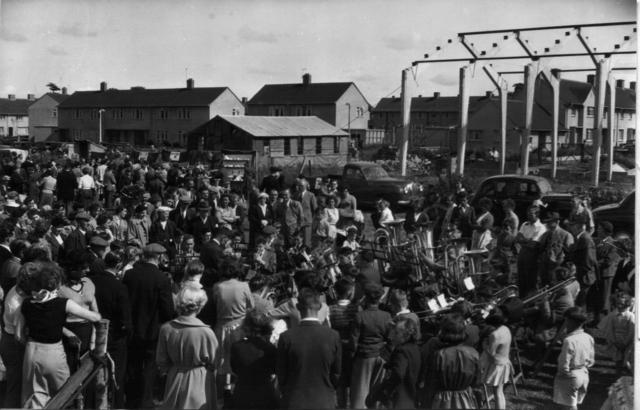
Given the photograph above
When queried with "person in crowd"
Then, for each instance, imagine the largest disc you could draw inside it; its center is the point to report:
(164, 231)
(45, 367)
(77, 239)
(386, 215)
(66, 188)
(11, 267)
(453, 369)
(113, 304)
(576, 357)
(618, 329)
(309, 208)
(260, 216)
(508, 207)
(183, 214)
(482, 237)
(86, 187)
(528, 238)
(369, 334)
(192, 275)
(226, 215)
(308, 359)
(186, 353)
(554, 246)
(253, 361)
(464, 214)
(48, 187)
(583, 255)
(151, 305)
(580, 211)
(139, 225)
(403, 368)
(203, 222)
(495, 363)
(329, 217)
(290, 215)
(273, 181)
(399, 307)
(608, 255)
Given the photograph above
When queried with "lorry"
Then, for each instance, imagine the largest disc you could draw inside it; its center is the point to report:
(369, 182)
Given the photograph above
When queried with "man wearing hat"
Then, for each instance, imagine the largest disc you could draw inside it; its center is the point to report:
(289, 214)
(164, 231)
(555, 244)
(260, 216)
(97, 249)
(309, 207)
(275, 180)
(77, 239)
(139, 225)
(204, 221)
(151, 305)
(583, 255)
(183, 214)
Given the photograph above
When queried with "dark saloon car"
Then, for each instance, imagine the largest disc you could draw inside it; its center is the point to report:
(620, 214)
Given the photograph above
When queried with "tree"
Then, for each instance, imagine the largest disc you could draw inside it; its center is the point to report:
(53, 87)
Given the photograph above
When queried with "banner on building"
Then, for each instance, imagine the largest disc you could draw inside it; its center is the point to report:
(174, 156)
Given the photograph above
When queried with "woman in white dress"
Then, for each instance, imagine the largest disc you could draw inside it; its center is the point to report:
(495, 364)
(329, 217)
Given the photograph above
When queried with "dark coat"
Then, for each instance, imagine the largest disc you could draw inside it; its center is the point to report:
(75, 241)
(151, 302)
(5, 255)
(165, 237)
(211, 256)
(113, 304)
(400, 385)
(256, 215)
(198, 228)
(253, 360)
(66, 185)
(583, 255)
(270, 182)
(56, 248)
(182, 222)
(308, 366)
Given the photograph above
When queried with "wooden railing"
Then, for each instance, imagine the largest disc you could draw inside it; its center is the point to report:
(92, 366)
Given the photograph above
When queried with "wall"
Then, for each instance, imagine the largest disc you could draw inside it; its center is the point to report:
(19, 124)
(43, 118)
(357, 101)
(225, 104)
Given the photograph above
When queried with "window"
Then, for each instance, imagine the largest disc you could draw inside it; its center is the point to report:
(235, 111)
(164, 113)
(590, 112)
(359, 112)
(353, 173)
(589, 137)
(54, 113)
(573, 113)
(308, 112)
(93, 114)
(620, 135)
(300, 111)
(300, 146)
(117, 113)
(181, 136)
(287, 146)
(184, 113)
(266, 147)
(276, 111)
(158, 137)
(318, 145)
(336, 145)
(76, 113)
(2, 131)
(137, 114)
(631, 134)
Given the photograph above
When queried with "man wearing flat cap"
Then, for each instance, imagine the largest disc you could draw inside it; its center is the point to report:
(203, 222)
(164, 231)
(97, 249)
(77, 239)
(275, 180)
(151, 305)
(260, 216)
(554, 246)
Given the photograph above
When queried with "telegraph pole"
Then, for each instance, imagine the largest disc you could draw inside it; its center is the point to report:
(406, 115)
(463, 120)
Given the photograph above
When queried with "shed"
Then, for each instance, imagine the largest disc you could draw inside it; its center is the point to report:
(287, 142)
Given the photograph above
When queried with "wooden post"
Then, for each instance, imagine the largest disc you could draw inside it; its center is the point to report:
(406, 121)
(102, 378)
(464, 118)
(612, 125)
(600, 87)
(504, 93)
(553, 77)
(530, 74)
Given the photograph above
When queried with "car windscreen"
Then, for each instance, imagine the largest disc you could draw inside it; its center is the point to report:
(374, 172)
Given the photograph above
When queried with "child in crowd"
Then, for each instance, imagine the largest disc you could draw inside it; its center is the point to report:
(618, 329)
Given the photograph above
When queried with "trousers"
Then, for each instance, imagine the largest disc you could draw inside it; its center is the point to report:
(44, 371)
(12, 353)
(361, 379)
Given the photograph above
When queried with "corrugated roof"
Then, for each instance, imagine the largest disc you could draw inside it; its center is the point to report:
(160, 97)
(427, 104)
(299, 93)
(274, 127)
(14, 107)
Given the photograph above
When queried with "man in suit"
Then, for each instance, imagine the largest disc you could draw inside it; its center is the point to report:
(54, 237)
(7, 229)
(77, 239)
(66, 186)
(309, 359)
(309, 206)
(164, 231)
(112, 298)
(260, 216)
(211, 256)
(151, 306)
(583, 255)
(554, 247)
(203, 222)
(139, 225)
(289, 214)
(275, 180)
(609, 256)
(182, 215)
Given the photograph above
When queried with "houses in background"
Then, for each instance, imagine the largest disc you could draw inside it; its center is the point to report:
(14, 117)
(141, 116)
(340, 104)
(43, 116)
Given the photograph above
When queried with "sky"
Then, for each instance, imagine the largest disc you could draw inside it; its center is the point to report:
(244, 44)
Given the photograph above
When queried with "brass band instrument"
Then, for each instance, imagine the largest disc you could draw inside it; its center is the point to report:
(548, 290)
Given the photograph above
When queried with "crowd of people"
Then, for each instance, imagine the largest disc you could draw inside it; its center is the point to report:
(265, 295)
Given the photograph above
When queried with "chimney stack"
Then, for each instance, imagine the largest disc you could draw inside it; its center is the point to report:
(31, 97)
(619, 83)
(190, 84)
(103, 86)
(244, 101)
(632, 85)
(488, 94)
(436, 95)
(12, 97)
(517, 87)
(64, 90)
(591, 79)
(306, 79)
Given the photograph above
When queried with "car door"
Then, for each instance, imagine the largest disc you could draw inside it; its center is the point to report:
(358, 186)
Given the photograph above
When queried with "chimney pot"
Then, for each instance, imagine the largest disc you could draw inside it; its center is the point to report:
(103, 86)
(244, 101)
(488, 93)
(436, 94)
(64, 90)
(12, 97)
(591, 79)
(632, 85)
(306, 79)
(619, 83)
(31, 97)
(190, 83)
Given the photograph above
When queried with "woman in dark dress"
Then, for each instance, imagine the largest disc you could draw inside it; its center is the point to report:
(453, 368)
(253, 360)
(399, 387)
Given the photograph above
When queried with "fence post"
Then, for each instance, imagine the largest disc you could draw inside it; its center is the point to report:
(102, 378)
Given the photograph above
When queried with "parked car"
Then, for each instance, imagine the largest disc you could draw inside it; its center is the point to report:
(368, 182)
(559, 202)
(522, 189)
(620, 214)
